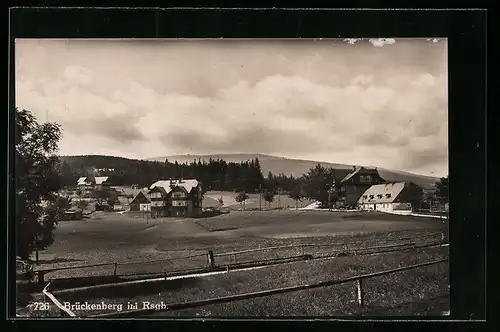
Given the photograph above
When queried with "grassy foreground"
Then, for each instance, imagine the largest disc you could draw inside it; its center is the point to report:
(398, 293)
(168, 261)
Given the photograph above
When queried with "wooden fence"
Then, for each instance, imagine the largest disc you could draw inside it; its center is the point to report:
(211, 256)
(360, 291)
(346, 246)
(115, 265)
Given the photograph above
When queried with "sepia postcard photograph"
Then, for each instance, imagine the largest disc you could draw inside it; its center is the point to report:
(231, 178)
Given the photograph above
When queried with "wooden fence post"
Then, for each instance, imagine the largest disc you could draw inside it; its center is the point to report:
(211, 261)
(116, 265)
(442, 236)
(41, 276)
(359, 284)
(234, 258)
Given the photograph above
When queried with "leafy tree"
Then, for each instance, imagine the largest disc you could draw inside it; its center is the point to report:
(268, 196)
(37, 181)
(80, 192)
(111, 202)
(104, 194)
(296, 194)
(318, 182)
(82, 205)
(241, 198)
(67, 174)
(442, 189)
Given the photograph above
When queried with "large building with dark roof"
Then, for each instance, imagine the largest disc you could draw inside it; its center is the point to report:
(352, 186)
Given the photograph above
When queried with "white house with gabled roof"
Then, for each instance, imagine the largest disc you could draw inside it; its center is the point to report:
(177, 198)
(400, 197)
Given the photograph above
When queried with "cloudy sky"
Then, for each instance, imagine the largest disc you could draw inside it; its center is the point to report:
(377, 102)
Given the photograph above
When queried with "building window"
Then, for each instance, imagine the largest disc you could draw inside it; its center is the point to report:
(365, 178)
(379, 196)
(365, 196)
(388, 195)
(178, 195)
(155, 195)
(372, 197)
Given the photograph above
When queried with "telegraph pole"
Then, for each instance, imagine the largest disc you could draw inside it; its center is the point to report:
(279, 198)
(260, 197)
(330, 199)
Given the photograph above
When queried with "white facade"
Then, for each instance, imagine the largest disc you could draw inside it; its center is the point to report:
(157, 203)
(144, 207)
(386, 207)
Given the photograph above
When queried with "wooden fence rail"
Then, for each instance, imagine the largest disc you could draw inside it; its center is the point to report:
(305, 245)
(42, 272)
(63, 310)
(194, 304)
(210, 257)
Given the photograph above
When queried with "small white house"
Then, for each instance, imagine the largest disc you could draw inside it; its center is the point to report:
(390, 197)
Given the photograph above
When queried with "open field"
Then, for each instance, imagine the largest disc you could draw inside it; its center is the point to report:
(106, 237)
(115, 237)
(399, 292)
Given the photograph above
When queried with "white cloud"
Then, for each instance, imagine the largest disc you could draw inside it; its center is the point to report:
(379, 42)
(425, 80)
(362, 79)
(341, 109)
(78, 75)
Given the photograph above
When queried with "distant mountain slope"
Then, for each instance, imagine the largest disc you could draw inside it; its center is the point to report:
(98, 161)
(268, 163)
(298, 167)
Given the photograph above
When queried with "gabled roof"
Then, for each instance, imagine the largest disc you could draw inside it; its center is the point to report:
(350, 175)
(392, 188)
(357, 170)
(100, 179)
(158, 188)
(81, 180)
(188, 184)
(140, 195)
(96, 180)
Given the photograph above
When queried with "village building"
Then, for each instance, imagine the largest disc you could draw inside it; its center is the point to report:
(140, 203)
(91, 181)
(176, 198)
(391, 197)
(354, 184)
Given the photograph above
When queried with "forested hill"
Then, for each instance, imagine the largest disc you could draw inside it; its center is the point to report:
(222, 170)
(98, 161)
(298, 167)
